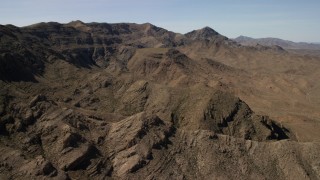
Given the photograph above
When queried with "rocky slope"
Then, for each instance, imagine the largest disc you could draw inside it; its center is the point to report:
(130, 101)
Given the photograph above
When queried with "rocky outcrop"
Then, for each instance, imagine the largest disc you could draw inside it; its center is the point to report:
(229, 115)
(131, 141)
(135, 98)
(39, 167)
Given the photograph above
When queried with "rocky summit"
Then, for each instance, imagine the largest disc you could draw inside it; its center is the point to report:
(136, 101)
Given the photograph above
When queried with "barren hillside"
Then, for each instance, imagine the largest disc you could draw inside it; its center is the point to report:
(132, 101)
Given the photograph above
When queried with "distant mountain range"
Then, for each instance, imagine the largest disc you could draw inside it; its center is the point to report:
(248, 41)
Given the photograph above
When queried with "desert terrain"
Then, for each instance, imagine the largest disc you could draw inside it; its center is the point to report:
(136, 101)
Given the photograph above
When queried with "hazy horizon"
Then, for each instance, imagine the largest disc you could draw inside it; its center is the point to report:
(289, 20)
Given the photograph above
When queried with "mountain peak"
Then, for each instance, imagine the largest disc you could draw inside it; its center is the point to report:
(202, 34)
(79, 25)
(243, 38)
(76, 23)
(208, 29)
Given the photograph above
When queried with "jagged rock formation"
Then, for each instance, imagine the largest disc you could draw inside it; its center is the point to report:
(129, 101)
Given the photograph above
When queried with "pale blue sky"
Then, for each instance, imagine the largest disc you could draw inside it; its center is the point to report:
(296, 20)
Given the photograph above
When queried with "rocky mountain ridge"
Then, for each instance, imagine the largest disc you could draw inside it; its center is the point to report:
(131, 101)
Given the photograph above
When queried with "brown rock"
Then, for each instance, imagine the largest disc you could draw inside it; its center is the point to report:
(36, 99)
(39, 166)
(77, 158)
